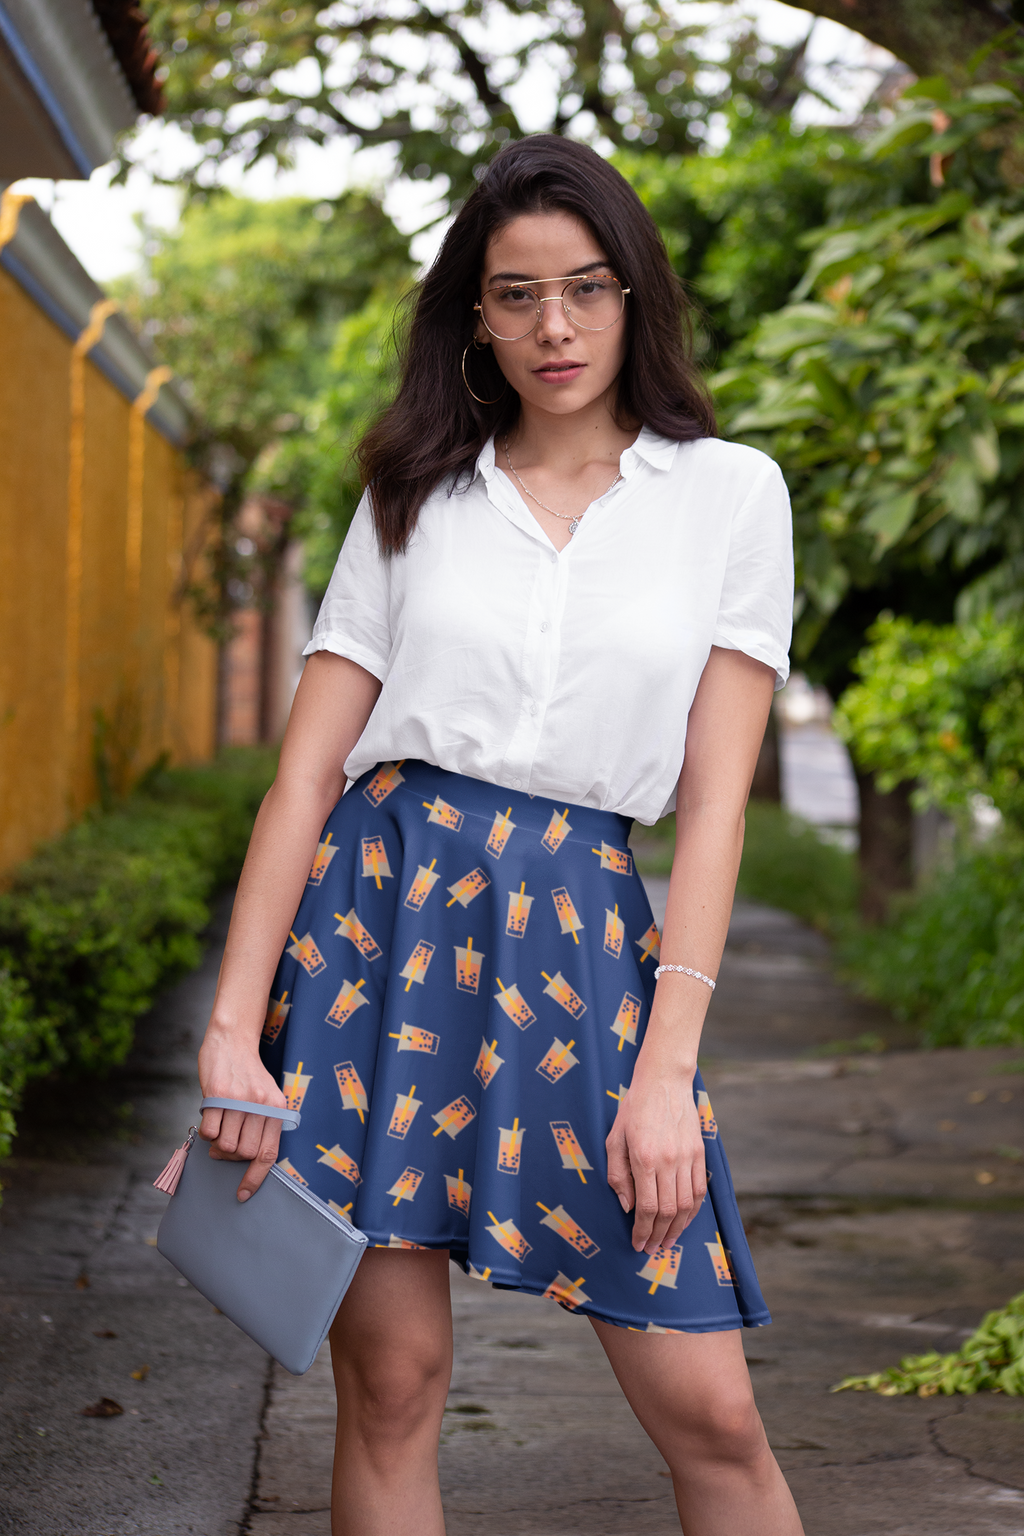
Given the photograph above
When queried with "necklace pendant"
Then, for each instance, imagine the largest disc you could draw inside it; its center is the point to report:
(573, 526)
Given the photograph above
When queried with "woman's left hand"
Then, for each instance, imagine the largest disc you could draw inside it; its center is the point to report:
(656, 1155)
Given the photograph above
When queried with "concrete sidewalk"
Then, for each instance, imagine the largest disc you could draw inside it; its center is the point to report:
(883, 1198)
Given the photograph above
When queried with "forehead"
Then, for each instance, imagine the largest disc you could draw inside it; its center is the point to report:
(541, 245)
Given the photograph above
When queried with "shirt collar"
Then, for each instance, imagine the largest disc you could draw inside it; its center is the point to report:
(657, 451)
(485, 461)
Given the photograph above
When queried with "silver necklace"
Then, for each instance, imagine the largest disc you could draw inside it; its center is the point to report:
(567, 517)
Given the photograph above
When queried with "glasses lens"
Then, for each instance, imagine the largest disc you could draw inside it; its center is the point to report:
(509, 313)
(595, 303)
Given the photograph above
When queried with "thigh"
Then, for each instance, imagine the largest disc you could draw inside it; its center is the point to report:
(397, 1309)
(682, 1386)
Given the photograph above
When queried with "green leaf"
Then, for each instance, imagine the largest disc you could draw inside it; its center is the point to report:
(961, 491)
(929, 88)
(890, 518)
(830, 392)
(907, 128)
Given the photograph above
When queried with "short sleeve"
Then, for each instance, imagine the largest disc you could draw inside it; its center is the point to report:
(354, 617)
(755, 612)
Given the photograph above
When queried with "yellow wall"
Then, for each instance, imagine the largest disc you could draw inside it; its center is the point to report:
(141, 658)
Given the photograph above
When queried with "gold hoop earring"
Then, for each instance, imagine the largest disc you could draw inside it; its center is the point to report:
(474, 343)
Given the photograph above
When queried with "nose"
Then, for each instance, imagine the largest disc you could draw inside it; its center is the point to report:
(554, 325)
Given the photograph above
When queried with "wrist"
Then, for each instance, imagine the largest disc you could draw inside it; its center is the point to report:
(228, 1030)
(665, 1054)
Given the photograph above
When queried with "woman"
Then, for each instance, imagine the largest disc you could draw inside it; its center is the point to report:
(557, 580)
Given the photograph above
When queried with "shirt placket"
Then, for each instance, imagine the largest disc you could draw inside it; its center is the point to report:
(539, 665)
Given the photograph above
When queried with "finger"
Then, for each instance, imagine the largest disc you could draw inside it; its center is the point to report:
(619, 1176)
(684, 1215)
(230, 1130)
(700, 1185)
(668, 1208)
(250, 1137)
(646, 1206)
(209, 1125)
(264, 1160)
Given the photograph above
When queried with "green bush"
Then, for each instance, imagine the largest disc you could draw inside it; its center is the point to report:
(944, 705)
(785, 864)
(951, 957)
(991, 1360)
(102, 918)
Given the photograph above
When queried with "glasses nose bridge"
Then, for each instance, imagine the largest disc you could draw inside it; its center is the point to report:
(551, 298)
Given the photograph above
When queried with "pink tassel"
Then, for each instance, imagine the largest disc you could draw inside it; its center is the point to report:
(168, 1180)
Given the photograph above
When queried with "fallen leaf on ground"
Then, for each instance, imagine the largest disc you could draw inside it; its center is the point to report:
(82, 1283)
(984, 1177)
(141, 1373)
(106, 1408)
(104, 1333)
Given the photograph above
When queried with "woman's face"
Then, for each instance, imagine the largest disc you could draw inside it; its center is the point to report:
(559, 366)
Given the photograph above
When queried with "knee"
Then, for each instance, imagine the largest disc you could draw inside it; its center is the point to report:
(729, 1431)
(397, 1393)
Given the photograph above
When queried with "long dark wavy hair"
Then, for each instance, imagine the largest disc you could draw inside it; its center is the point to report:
(434, 429)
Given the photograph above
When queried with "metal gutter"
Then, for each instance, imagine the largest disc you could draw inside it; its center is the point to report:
(39, 261)
(65, 56)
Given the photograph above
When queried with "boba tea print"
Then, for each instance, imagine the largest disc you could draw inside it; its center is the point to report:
(457, 1014)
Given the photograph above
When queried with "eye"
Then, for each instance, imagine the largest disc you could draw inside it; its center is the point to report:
(591, 287)
(513, 298)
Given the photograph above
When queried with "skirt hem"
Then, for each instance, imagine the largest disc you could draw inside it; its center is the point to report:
(508, 1282)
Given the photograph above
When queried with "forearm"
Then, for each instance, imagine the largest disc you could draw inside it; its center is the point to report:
(276, 869)
(725, 728)
(333, 703)
(709, 841)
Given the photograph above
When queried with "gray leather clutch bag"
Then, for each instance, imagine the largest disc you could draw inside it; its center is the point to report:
(278, 1264)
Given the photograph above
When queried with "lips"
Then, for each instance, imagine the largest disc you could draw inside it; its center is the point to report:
(565, 368)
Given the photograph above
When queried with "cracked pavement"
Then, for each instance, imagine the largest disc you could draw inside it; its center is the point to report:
(882, 1194)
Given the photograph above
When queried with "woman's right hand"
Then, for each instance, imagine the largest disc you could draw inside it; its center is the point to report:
(230, 1071)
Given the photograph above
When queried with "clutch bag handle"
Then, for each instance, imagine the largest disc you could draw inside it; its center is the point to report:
(290, 1117)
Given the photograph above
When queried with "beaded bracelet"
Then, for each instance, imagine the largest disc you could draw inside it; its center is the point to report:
(685, 969)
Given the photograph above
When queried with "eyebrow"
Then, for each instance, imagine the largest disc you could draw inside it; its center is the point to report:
(525, 277)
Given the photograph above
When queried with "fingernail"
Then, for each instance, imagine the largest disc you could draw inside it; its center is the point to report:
(243, 1195)
(624, 1202)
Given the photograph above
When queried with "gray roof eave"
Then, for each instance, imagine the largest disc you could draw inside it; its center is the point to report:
(47, 270)
(63, 52)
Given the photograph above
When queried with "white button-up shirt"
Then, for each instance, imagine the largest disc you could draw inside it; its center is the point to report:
(566, 674)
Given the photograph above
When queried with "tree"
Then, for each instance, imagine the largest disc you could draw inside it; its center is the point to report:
(891, 392)
(243, 301)
(935, 37)
(248, 78)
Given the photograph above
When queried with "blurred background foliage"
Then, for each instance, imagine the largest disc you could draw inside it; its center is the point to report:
(244, 300)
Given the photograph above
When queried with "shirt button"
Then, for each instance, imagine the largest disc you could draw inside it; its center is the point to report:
(517, 783)
(545, 627)
(554, 559)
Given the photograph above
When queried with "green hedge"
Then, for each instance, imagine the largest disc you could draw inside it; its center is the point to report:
(950, 957)
(785, 864)
(101, 919)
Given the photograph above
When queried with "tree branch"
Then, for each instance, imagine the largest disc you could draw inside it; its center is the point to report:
(932, 36)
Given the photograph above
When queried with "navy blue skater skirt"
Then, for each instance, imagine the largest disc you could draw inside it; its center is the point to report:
(458, 1010)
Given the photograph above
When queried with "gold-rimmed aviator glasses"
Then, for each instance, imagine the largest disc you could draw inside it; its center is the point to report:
(594, 302)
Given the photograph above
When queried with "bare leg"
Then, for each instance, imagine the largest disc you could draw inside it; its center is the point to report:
(692, 1394)
(391, 1348)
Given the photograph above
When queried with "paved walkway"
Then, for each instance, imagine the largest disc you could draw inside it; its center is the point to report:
(883, 1200)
